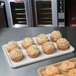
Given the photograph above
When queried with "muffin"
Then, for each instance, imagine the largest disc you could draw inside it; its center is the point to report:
(42, 38)
(11, 46)
(62, 44)
(59, 75)
(72, 72)
(27, 42)
(51, 70)
(16, 55)
(67, 65)
(55, 35)
(48, 47)
(33, 51)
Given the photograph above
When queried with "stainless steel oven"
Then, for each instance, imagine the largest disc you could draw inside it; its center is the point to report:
(49, 12)
(35, 13)
(20, 13)
(16, 14)
(46, 12)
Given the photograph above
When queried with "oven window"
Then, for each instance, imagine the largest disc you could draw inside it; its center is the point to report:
(18, 12)
(44, 12)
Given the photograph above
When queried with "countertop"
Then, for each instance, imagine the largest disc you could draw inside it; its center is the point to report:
(9, 34)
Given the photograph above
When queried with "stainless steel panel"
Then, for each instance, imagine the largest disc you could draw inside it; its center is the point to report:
(54, 13)
(29, 12)
(60, 15)
(8, 13)
(61, 24)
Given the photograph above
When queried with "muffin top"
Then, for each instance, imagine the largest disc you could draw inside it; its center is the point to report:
(42, 38)
(12, 43)
(28, 41)
(48, 46)
(33, 49)
(16, 53)
(62, 41)
(56, 35)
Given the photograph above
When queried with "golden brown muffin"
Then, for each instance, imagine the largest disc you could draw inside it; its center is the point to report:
(33, 51)
(55, 35)
(62, 44)
(27, 42)
(16, 55)
(48, 47)
(11, 45)
(72, 72)
(67, 65)
(42, 38)
(51, 70)
(59, 75)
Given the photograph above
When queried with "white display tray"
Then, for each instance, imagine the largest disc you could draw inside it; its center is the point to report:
(27, 60)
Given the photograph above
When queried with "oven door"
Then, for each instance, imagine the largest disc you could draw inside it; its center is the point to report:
(46, 12)
(16, 14)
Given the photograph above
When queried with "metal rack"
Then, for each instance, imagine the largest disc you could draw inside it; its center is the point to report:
(18, 13)
(44, 12)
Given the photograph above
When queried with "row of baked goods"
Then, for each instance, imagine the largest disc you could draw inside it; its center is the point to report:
(55, 36)
(32, 49)
(66, 66)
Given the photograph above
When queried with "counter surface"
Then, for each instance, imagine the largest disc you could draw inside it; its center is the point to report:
(7, 35)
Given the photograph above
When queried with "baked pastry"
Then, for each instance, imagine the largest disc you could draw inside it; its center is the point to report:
(51, 70)
(33, 51)
(67, 65)
(55, 35)
(59, 75)
(72, 72)
(62, 44)
(48, 47)
(16, 55)
(11, 45)
(27, 42)
(42, 38)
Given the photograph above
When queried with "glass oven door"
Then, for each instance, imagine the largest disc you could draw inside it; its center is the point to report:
(16, 13)
(46, 12)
